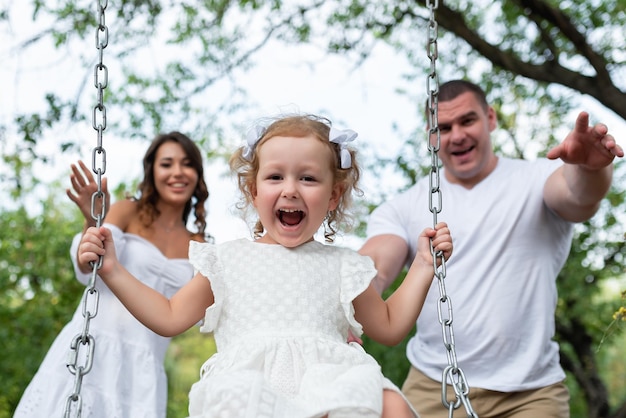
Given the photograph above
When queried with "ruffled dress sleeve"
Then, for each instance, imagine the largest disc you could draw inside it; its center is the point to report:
(204, 259)
(357, 272)
(119, 241)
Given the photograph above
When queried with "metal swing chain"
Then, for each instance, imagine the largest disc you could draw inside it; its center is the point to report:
(84, 340)
(452, 372)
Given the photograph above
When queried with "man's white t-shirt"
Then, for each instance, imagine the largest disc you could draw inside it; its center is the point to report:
(501, 279)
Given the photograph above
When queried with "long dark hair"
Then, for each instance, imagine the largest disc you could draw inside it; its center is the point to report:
(148, 195)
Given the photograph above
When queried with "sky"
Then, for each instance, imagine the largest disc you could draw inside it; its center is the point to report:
(363, 98)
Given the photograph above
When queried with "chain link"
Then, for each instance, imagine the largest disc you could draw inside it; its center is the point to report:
(452, 372)
(82, 347)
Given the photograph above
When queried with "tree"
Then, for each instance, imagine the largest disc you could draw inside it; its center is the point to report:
(536, 59)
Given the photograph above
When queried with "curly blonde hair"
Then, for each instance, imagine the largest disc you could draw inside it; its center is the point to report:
(300, 126)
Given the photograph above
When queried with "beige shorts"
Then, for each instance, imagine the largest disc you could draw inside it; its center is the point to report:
(549, 402)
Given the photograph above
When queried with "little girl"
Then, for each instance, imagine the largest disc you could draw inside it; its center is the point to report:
(281, 307)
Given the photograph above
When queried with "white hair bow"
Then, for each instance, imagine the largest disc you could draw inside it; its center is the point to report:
(342, 138)
(252, 137)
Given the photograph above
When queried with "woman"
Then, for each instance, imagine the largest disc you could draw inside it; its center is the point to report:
(127, 378)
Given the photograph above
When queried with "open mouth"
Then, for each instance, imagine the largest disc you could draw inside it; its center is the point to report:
(462, 152)
(290, 217)
(178, 186)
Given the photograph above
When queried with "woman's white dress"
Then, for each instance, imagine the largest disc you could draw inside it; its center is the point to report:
(127, 379)
(280, 320)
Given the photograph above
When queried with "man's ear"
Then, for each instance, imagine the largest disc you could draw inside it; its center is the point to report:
(492, 118)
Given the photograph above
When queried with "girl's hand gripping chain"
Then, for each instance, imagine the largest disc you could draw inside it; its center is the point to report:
(97, 242)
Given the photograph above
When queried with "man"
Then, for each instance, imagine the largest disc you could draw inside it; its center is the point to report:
(512, 225)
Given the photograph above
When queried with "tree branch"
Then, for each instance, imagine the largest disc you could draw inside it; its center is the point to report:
(599, 86)
(566, 27)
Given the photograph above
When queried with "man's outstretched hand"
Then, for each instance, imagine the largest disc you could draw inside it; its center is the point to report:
(589, 146)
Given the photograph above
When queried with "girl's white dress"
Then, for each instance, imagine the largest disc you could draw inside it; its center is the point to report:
(280, 320)
(127, 379)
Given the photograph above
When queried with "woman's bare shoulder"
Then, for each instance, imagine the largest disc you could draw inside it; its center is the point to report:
(122, 213)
